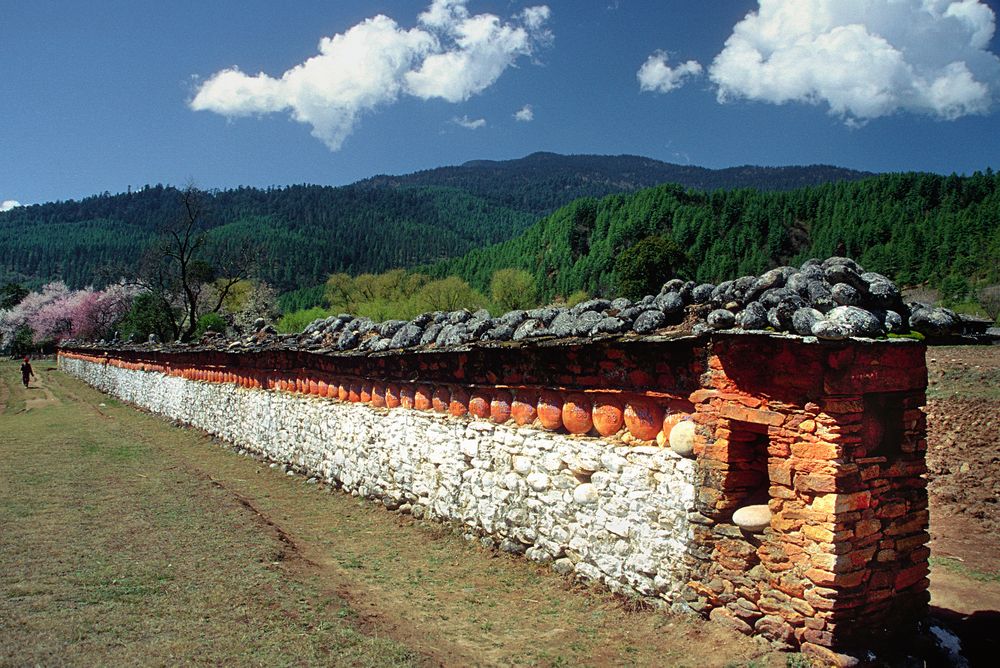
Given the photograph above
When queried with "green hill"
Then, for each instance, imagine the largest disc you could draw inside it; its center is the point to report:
(912, 227)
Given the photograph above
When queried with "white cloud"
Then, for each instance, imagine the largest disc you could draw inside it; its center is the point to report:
(525, 114)
(863, 58)
(655, 75)
(469, 123)
(9, 204)
(451, 55)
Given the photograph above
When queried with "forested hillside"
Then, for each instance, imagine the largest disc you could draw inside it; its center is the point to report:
(913, 227)
(307, 232)
(303, 232)
(542, 182)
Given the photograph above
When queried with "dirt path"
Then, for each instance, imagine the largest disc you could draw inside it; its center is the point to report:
(133, 540)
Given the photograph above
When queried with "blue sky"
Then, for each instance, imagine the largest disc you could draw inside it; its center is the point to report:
(102, 95)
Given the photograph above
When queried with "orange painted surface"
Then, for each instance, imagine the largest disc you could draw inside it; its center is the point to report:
(643, 418)
(500, 406)
(479, 404)
(550, 409)
(523, 407)
(608, 414)
(576, 414)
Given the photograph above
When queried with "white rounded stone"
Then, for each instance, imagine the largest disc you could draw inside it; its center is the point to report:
(522, 465)
(585, 494)
(538, 482)
(753, 518)
(682, 438)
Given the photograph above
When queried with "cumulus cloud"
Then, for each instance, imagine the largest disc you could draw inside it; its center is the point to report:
(451, 54)
(863, 58)
(469, 123)
(9, 204)
(656, 76)
(525, 114)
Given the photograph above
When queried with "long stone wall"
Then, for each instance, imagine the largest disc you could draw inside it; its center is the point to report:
(616, 516)
(774, 484)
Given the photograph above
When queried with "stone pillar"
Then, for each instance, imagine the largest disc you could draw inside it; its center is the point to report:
(831, 438)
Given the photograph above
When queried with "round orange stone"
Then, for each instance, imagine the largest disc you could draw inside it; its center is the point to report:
(479, 403)
(550, 409)
(576, 413)
(354, 393)
(392, 395)
(365, 391)
(523, 407)
(459, 404)
(644, 418)
(608, 414)
(422, 398)
(500, 406)
(441, 399)
(407, 396)
(378, 395)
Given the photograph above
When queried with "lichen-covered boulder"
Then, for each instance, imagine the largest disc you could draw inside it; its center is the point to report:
(856, 321)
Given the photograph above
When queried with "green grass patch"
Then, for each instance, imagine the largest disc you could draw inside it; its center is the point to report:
(959, 568)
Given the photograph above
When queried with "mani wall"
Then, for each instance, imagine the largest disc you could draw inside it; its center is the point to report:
(772, 483)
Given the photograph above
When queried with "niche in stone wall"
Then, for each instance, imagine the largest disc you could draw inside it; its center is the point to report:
(747, 481)
(882, 425)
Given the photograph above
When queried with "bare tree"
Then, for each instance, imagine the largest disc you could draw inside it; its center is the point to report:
(176, 271)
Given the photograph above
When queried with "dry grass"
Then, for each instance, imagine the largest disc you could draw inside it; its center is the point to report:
(127, 540)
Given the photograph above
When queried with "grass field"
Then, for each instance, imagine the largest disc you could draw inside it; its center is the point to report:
(126, 540)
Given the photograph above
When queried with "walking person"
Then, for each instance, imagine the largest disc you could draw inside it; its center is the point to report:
(26, 370)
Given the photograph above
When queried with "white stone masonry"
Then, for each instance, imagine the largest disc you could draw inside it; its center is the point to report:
(618, 515)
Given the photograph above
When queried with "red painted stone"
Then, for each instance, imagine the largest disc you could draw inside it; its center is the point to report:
(523, 407)
(365, 391)
(479, 403)
(608, 414)
(354, 393)
(344, 390)
(441, 399)
(333, 389)
(313, 387)
(406, 396)
(378, 395)
(550, 409)
(500, 406)
(422, 400)
(459, 404)
(392, 395)
(576, 413)
(644, 418)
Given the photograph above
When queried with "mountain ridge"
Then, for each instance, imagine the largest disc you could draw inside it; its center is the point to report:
(368, 226)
